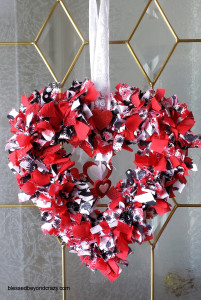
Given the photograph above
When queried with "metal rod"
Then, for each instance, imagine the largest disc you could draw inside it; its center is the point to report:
(46, 62)
(189, 40)
(47, 19)
(102, 205)
(174, 200)
(188, 205)
(72, 65)
(139, 63)
(165, 63)
(164, 225)
(140, 19)
(118, 42)
(63, 271)
(152, 273)
(71, 20)
(15, 43)
(166, 20)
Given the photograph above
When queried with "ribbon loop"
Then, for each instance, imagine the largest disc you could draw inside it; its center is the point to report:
(99, 46)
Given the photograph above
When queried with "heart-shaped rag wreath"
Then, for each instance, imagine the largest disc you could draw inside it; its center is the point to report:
(67, 198)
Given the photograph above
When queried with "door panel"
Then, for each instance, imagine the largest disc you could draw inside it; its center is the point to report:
(152, 44)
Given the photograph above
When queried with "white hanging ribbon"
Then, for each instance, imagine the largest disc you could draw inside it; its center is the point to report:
(99, 47)
(99, 56)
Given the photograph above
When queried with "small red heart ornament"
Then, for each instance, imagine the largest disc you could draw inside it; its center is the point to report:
(101, 118)
(90, 164)
(102, 187)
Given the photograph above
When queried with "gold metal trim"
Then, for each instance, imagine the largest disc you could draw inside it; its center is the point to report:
(47, 19)
(165, 63)
(17, 205)
(72, 65)
(15, 43)
(152, 83)
(63, 247)
(58, 239)
(139, 63)
(188, 205)
(174, 200)
(174, 46)
(166, 20)
(164, 226)
(102, 205)
(46, 62)
(72, 21)
(105, 205)
(139, 21)
(189, 40)
(118, 42)
(152, 273)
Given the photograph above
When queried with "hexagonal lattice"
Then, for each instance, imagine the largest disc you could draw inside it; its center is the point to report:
(152, 41)
(59, 42)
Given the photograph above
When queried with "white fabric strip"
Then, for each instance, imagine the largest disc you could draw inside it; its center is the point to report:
(93, 20)
(99, 45)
